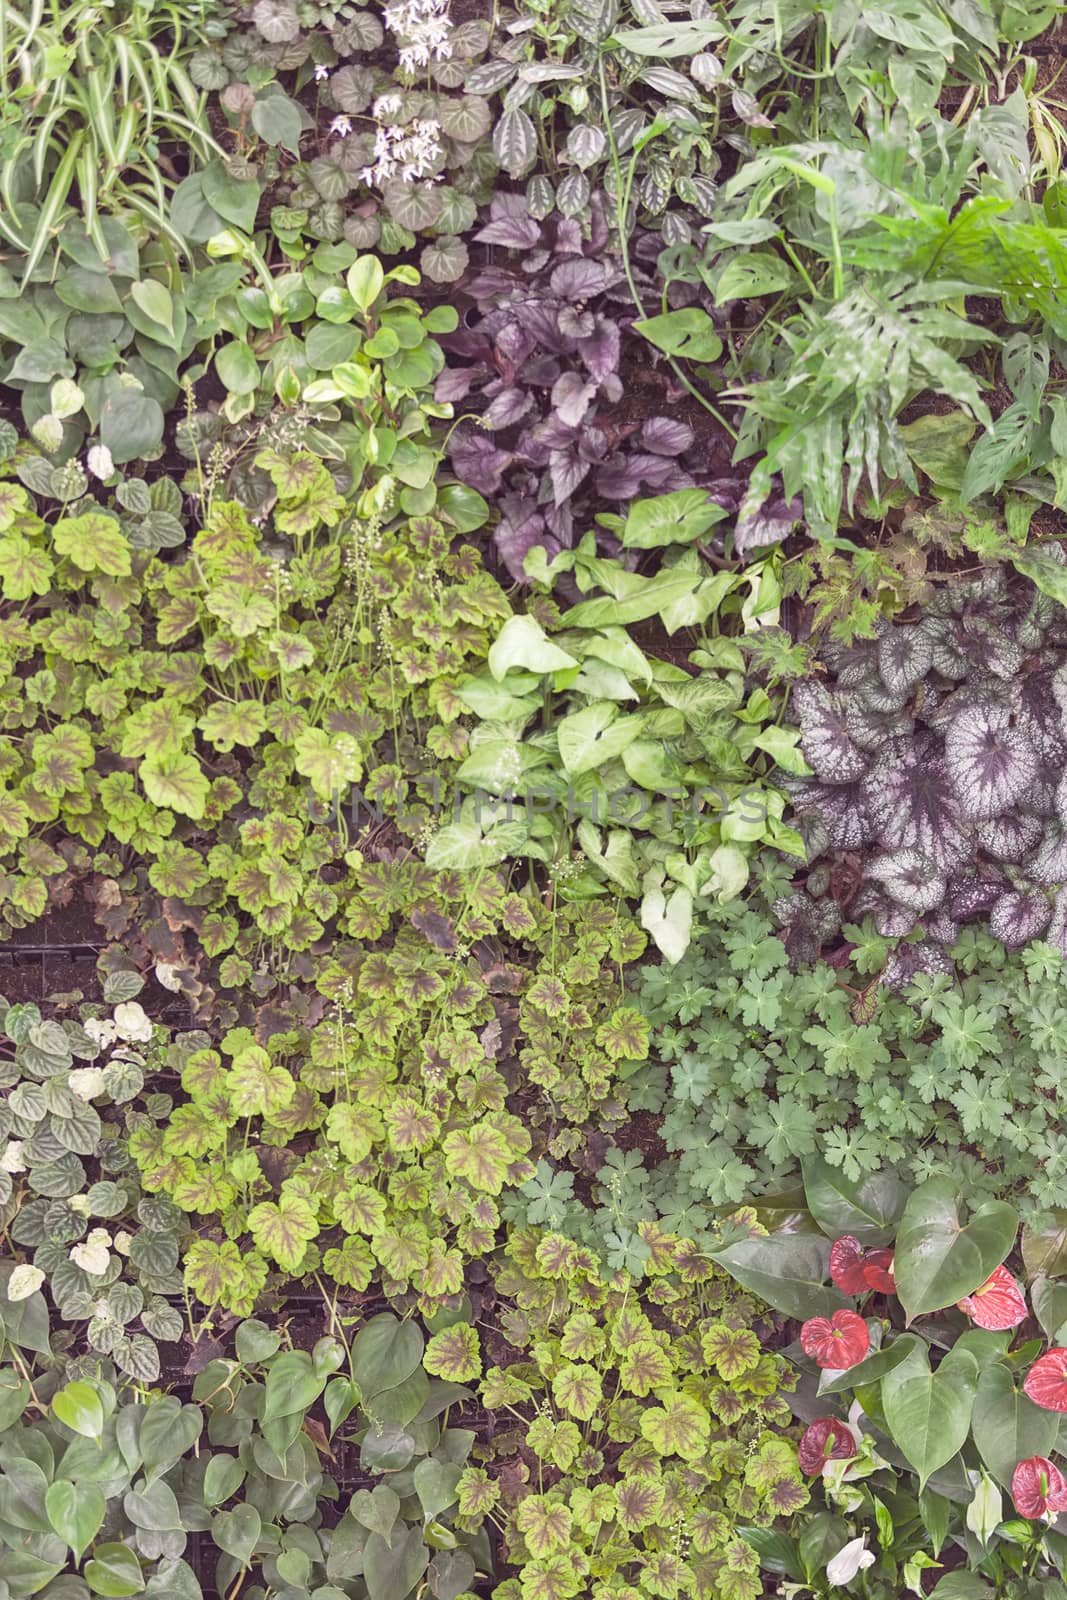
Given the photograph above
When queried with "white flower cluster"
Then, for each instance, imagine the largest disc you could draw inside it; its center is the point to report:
(405, 152)
(425, 27)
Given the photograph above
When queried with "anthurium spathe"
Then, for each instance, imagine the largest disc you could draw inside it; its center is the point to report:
(998, 1305)
(1046, 1382)
(836, 1342)
(1038, 1488)
(858, 1271)
(825, 1439)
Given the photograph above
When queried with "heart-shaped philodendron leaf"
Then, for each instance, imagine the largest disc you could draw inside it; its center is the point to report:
(938, 1259)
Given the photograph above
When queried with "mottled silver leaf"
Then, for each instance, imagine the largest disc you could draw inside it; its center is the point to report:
(1008, 838)
(910, 879)
(1018, 916)
(905, 656)
(824, 737)
(912, 805)
(990, 761)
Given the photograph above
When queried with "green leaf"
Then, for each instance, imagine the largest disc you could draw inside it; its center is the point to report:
(391, 1572)
(114, 1571)
(223, 1478)
(176, 782)
(258, 1086)
(385, 1352)
(235, 199)
(677, 518)
(938, 1261)
(76, 1512)
(689, 333)
(589, 738)
(1008, 1427)
(752, 275)
(365, 280)
(131, 425)
(283, 1230)
(94, 542)
(929, 1413)
(480, 1155)
(237, 367)
(515, 142)
(79, 1406)
(156, 303)
(669, 921)
(237, 1532)
(868, 1210)
(788, 1270)
(293, 1385)
(1041, 567)
(522, 643)
(664, 40)
(277, 120)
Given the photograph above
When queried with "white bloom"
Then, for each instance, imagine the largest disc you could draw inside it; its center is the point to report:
(341, 125)
(321, 72)
(407, 153)
(99, 461)
(426, 29)
(132, 1022)
(86, 1082)
(854, 1558)
(93, 1254)
(386, 105)
(102, 1030)
(11, 1160)
(123, 1240)
(23, 1282)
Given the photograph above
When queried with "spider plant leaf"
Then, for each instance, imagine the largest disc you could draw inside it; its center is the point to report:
(55, 200)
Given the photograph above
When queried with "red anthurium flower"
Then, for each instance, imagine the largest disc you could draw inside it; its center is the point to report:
(858, 1271)
(825, 1440)
(879, 1269)
(840, 1341)
(1046, 1382)
(1038, 1488)
(999, 1304)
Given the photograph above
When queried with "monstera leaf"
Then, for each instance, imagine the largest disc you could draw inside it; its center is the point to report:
(990, 761)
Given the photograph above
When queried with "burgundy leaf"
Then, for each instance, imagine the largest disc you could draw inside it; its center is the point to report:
(576, 324)
(579, 280)
(477, 462)
(600, 349)
(772, 522)
(572, 398)
(508, 407)
(567, 471)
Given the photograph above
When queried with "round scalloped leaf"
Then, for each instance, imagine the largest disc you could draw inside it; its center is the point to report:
(1008, 838)
(991, 761)
(1019, 916)
(909, 879)
(839, 810)
(413, 205)
(913, 806)
(276, 20)
(444, 260)
(352, 89)
(466, 119)
(1048, 865)
(208, 70)
(905, 656)
(824, 736)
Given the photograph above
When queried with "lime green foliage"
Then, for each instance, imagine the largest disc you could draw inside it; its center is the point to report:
(657, 773)
(653, 1428)
(166, 696)
(388, 1124)
(767, 1064)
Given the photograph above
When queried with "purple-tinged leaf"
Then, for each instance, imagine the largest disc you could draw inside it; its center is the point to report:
(1048, 864)
(839, 807)
(894, 922)
(969, 896)
(579, 279)
(1008, 838)
(576, 324)
(513, 345)
(540, 318)
(990, 761)
(572, 398)
(912, 805)
(774, 521)
(905, 656)
(1018, 916)
(909, 879)
(508, 407)
(666, 437)
(619, 479)
(940, 926)
(455, 383)
(542, 372)
(568, 471)
(908, 960)
(477, 462)
(825, 739)
(510, 224)
(600, 349)
(520, 528)
(611, 388)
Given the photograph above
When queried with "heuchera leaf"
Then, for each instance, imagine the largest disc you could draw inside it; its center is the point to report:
(990, 762)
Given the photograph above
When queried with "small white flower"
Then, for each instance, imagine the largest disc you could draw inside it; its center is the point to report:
(102, 1030)
(321, 72)
(99, 461)
(23, 1282)
(93, 1254)
(11, 1160)
(123, 1240)
(341, 125)
(132, 1022)
(386, 105)
(86, 1082)
(854, 1558)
